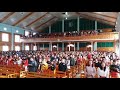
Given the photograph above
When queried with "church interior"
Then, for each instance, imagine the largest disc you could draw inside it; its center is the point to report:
(59, 45)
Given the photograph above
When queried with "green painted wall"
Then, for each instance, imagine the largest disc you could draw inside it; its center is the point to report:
(46, 30)
(46, 45)
(82, 44)
(86, 24)
(101, 26)
(105, 44)
(60, 45)
(56, 27)
(70, 25)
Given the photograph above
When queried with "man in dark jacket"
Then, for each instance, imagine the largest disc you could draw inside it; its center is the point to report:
(72, 61)
(32, 65)
(62, 66)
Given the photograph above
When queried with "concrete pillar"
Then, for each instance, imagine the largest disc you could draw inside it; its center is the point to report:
(74, 46)
(43, 47)
(23, 46)
(50, 46)
(57, 47)
(63, 25)
(92, 46)
(69, 48)
(62, 46)
(78, 48)
(12, 41)
(49, 29)
(78, 21)
(95, 46)
(95, 25)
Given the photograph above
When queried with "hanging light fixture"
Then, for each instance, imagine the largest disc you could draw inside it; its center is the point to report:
(66, 15)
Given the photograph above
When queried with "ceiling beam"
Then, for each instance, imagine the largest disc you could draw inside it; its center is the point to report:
(45, 22)
(36, 19)
(98, 19)
(52, 22)
(115, 17)
(23, 18)
(7, 16)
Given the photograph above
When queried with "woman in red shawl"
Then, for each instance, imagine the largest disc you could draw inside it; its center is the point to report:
(10, 61)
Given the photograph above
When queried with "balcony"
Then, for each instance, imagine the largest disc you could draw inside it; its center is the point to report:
(108, 36)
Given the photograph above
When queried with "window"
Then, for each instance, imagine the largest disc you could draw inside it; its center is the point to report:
(5, 48)
(26, 33)
(34, 47)
(5, 37)
(17, 48)
(17, 38)
(26, 47)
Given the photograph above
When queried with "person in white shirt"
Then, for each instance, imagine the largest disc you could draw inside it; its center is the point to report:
(68, 62)
(90, 70)
(103, 71)
(19, 62)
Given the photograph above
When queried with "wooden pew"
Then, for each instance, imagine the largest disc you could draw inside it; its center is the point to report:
(60, 74)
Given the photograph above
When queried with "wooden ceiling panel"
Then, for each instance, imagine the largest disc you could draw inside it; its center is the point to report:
(91, 17)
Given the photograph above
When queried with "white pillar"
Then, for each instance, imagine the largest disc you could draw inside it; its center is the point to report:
(78, 21)
(74, 46)
(95, 46)
(49, 29)
(23, 46)
(57, 46)
(69, 48)
(95, 25)
(12, 41)
(43, 47)
(50, 46)
(63, 25)
(92, 46)
(78, 48)
(62, 46)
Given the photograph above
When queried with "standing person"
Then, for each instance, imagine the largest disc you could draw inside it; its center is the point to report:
(32, 65)
(52, 66)
(103, 71)
(72, 61)
(67, 62)
(26, 64)
(62, 66)
(90, 70)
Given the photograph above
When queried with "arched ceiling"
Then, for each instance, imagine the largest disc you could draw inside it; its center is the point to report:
(37, 21)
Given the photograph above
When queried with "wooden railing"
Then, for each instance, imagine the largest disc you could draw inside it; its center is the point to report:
(109, 36)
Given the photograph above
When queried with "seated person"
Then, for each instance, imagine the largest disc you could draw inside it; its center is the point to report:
(90, 70)
(114, 69)
(103, 71)
(62, 66)
(52, 66)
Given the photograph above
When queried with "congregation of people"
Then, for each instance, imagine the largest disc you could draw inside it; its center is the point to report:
(67, 34)
(102, 64)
